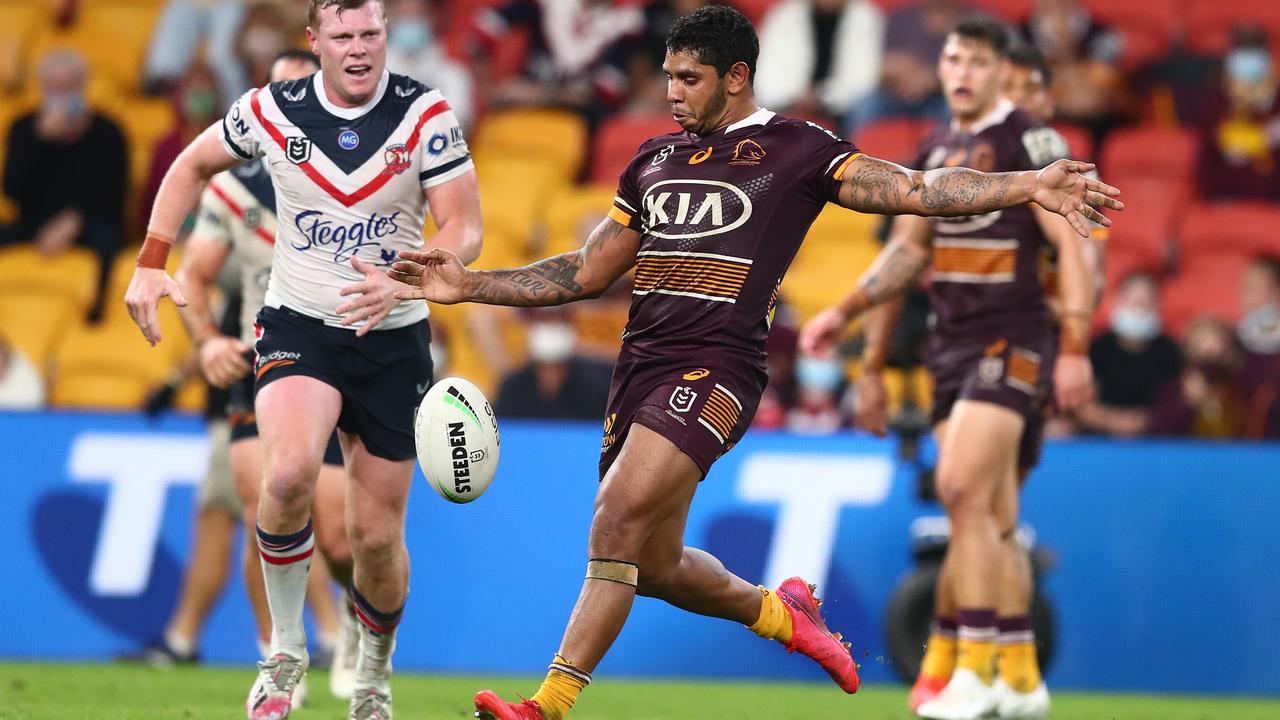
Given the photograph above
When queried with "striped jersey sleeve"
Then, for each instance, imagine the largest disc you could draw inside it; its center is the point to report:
(626, 202)
(444, 150)
(238, 133)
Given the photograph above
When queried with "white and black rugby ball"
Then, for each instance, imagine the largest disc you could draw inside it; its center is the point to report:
(456, 434)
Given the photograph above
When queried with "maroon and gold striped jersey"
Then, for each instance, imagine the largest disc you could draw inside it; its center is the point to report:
(721, 218)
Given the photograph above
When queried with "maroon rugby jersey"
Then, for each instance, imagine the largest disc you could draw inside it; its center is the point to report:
(987, 268)
(722, 217)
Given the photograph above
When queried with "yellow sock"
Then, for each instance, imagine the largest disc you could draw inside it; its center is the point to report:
(978, 656)
(939, 655)
(775, 620)
(561, 688)
(1019, 667)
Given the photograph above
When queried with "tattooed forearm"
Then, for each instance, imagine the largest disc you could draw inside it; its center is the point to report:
(875, 186)
(547, 282)
(893, 272)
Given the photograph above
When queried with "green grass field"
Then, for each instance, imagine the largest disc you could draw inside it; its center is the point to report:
(117, 692)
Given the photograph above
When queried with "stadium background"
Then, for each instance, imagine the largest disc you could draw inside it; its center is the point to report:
(1165, 578)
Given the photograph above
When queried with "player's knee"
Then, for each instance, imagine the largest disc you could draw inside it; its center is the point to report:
(289, 487)
(331, 538)
(620, 528)
(960, 494)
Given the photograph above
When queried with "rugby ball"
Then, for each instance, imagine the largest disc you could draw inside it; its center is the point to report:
(456, 434)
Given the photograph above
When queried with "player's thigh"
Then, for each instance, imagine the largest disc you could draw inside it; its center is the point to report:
(377, 491)
(296, 416)
(649, 482)
(1005, 503)
(979, 449)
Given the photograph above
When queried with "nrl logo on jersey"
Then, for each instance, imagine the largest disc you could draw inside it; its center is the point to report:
(680, 209)
(298, 150)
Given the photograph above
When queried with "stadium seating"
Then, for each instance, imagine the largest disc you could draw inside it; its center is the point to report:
(1212, 21)
(35, 322)
(573, 214)
(1149, 151)
(896, 140)
(72, 275)
(110, 366)
(1149, 27)
(1206, 284)
(1014, 11)
(1145, 230)
(113, 36)
(1244, 228)
(557, 138)
(618, 138)
(514, 195)
(839, 247)
(1079, 141)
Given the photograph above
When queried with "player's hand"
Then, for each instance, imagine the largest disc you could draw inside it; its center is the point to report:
(1072, 381)
(142, 298)
(222, 360)
(819, 336)
(871, 404)
(377, 298)
(1064, 188)
(436, 275)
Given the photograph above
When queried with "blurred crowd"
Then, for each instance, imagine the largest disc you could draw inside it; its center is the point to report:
(856, 66)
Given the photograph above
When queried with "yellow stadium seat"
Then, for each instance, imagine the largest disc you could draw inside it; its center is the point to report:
(839, 247)
(113, 35)
(464, 356)
(10, 109)
(22, 18)
(514, 195)
(556, 137)
(573, 214)
(35, 323)
(72, 274)
(106, 366)
(192, 396)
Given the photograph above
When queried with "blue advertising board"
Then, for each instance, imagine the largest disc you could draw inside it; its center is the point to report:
(1166, 577)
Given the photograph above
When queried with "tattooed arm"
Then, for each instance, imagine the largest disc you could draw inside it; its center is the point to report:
(876, 186)
(438, 276)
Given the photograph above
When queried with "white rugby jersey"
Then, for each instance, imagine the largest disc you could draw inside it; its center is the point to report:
(238, 210)
(349, 182)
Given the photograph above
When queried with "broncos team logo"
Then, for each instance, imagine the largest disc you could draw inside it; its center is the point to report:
(747, 152)
(397, 157)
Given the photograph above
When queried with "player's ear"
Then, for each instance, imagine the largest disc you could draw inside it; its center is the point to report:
(738, 78)
(311, 40)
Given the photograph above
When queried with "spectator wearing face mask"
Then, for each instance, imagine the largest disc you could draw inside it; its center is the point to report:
(556, 383)
(1206, 399)
(1240, 142)
(67, 170)
(1131, 362)
(819, 387)
(263, 35)
(195, 107)
(414, 50)
(1259, 334)
(20, 385)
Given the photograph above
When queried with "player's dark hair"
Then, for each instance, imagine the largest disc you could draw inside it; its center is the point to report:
(1026, 55)
(716, 35)
(987, 30)
(1271, 264)
(297, 55)
(315, 6)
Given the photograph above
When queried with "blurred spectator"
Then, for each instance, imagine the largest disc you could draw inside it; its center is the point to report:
(262, 35)
(909, 87)
(556, 382)
(195, 107)
(640, 56)
(1240, 141)
(780, 364)
(1205, 400)
(1131, 362)
(219, 26)
(21, 387)
(67, 170)
(414, 48)
(1027, 82)
(1085, 56)
(567, 60)
(818, 57)
(819, 385)
(1259, 333)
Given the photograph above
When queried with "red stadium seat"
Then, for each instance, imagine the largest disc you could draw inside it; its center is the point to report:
(1212, 20)
(617, 139)
(1205, 285)
(1145, 229)
(1013, 11)
(1148, 26)
(755, 10)
(897, 140)
(1244, 228)
(1079, 141)
(1150, 151)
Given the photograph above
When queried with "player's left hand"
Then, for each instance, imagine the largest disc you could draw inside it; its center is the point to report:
(377, 298)
(1072, 381)
(142, 298)
(1063, 188)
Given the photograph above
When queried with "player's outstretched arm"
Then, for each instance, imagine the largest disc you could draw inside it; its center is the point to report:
(438, 275)
(872, 185)
(179, 191)
(895, 269)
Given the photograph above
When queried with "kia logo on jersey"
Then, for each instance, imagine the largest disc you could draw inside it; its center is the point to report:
(680, 209)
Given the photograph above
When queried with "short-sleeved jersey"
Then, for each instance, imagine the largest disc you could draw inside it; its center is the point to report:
(986, 272)
(238, 210)
(721, 218)
(349, 181)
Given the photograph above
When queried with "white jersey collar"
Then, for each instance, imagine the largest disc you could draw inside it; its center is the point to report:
(355, 112)
(759, 117)
(998, 114)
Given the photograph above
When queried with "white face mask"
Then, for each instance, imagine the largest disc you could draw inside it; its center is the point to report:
(1260, 330)
(551, 342)
(1134, 324)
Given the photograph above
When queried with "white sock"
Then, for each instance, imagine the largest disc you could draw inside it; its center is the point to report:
(286, 561)
(184, 646)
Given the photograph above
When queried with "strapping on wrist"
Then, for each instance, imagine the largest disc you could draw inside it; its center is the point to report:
(155, 251)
